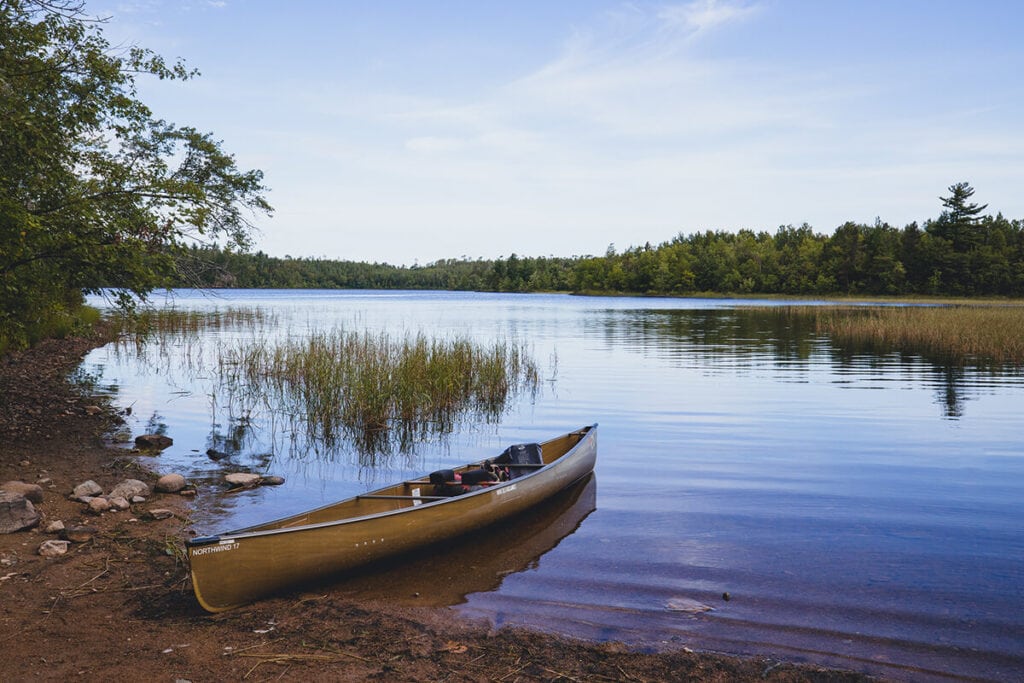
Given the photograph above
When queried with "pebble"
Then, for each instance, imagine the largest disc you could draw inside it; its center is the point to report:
(160, 513)
(87, 489)
(98, 505)
(129, 488)
(236, 479)
(53, 548)
(54, 527)
(78, 534)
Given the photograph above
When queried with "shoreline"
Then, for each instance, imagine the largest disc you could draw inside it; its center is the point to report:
(121, 601)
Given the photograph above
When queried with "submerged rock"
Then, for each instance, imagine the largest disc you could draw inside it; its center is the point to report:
(271, 481)
(242, 479)
(687, 605)
(153, 441)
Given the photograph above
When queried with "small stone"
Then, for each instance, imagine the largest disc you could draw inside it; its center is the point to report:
(120, 503)
(54, 527)
(86, 489)
(129, 488)
(34, 492)
(78, 534)
(53, 548)
(153, 441)
(98, 505)
(187, 492)
(242, 479)
(271, 481)
(93, 410)
(44, 481)
(214, 454)
(160, 513)
(687, 605)
(170, 483)
(138, 499)
(726, 596)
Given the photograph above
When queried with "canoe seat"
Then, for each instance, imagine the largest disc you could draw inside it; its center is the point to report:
(521, 459)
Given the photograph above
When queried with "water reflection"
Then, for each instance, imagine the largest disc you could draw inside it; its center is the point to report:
(758, 338)
(446, 574)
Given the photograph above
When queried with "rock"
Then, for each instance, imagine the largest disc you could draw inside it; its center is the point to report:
(688, 605)
(170, 483)
(242, 479)
(54, 527)
(98, 505)
(153, 441)
(129, 488)
(86, 489)
(119, 503)
(214, 454)
(44, 481)
(187, 492)
(271, 481)
(53, 548)
(34, 492)
(93, 410)
(138, 499)
(16, 513)
(160, 513)
(78, 534)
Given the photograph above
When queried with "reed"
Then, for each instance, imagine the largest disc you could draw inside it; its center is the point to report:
(984, 335)
(370, 386)
(168, 321)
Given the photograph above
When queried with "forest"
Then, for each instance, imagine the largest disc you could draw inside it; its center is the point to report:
(962, 252)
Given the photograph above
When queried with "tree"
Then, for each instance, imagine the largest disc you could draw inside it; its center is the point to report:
(958, 232)
(95, 191)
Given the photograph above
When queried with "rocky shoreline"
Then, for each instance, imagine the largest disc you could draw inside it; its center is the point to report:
(95, 582)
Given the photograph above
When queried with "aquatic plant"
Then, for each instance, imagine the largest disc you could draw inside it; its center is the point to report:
(379, 390)
(961, 335)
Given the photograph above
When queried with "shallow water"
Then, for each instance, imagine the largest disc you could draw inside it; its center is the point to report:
(860, 510)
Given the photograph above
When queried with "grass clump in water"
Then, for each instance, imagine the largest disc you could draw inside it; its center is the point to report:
(373, 386)
(961, 335)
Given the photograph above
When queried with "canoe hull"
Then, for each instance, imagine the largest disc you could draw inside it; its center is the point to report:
(238, 567)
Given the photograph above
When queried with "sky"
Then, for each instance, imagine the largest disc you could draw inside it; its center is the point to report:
(408, 132)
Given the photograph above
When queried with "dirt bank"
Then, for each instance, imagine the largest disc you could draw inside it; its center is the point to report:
(119, 604)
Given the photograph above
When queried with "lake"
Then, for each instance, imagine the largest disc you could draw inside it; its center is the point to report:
(858, 510)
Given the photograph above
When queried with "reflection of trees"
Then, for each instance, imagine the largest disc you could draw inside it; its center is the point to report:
(757, 337)
(950, 391)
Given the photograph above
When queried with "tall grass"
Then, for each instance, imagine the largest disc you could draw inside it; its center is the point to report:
(171, 321)
(372, 386)
(974, 335)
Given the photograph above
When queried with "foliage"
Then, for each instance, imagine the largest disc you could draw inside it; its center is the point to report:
(961, 253)
(96, 192)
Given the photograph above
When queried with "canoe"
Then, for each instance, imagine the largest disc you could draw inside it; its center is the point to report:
(237, 567)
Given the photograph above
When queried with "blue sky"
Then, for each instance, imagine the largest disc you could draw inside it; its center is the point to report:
(407, 132)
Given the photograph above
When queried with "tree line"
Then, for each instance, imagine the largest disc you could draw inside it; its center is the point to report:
(960, 253)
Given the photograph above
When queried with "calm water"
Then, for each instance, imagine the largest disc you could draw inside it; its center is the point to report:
(861, 511)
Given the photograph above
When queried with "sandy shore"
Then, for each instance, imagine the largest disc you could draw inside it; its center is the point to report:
(120, 604)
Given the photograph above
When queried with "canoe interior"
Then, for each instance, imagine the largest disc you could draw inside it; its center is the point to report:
(407, 494)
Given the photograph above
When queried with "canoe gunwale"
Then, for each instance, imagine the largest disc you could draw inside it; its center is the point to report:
(547, 468)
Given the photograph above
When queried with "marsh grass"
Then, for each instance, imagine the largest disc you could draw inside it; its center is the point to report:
(982, 335)
(381, 391)
(165, 322)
